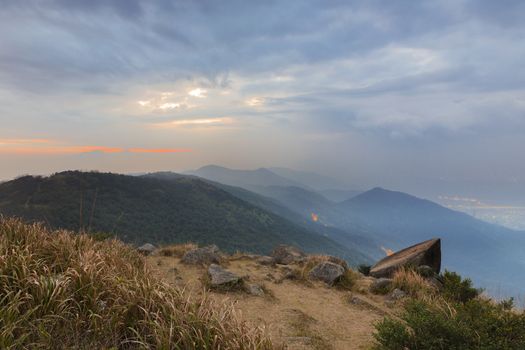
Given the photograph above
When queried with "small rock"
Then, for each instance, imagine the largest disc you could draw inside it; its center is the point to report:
(202, 256)
(397, 294)
(146, 249)
(222, 277)
(284, 254)
(255, 289)
(381, 285)
(327, 272)
(266, 260)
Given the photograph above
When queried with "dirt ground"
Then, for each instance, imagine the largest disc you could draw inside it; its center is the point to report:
(301, 315)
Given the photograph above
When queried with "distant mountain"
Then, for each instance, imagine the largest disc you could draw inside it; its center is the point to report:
(490, 254)
(309, 179)
(337, 195)
(158, 209)
(243, 178)
(299, 199)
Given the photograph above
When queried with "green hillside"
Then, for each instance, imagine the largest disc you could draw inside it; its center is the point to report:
(158, 210)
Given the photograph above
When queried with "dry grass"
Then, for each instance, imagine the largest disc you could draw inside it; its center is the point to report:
(63, 290)
(176, 250)
(412, 283)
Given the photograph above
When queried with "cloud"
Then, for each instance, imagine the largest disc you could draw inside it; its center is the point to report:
(48, 147)
(159, 150)
(194, 122)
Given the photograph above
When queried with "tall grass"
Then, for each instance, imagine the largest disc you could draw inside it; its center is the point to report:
(412, 283)
(63, 290)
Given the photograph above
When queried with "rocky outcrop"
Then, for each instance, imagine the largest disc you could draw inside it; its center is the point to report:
(327, 272)
(202, 256)
(285, 254)
(220, 277)
(146, 249)
(425, 253)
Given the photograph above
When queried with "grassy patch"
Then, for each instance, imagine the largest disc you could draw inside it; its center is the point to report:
(176, 250)
(302, 326)
(412, 283)
(63, 290)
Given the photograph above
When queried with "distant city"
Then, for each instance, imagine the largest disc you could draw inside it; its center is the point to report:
(505, 214)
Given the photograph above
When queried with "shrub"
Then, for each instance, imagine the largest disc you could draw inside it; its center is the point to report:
(364, 269)
(457, 289)
(63, 290)
(347, 280)
(445, 322)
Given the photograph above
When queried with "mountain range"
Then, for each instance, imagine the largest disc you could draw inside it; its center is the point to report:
(159, 209)
(254, 210)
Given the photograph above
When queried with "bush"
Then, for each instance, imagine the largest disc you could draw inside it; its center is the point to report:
(63, 290)
(364, 269)
(456, 320)
(457, 289)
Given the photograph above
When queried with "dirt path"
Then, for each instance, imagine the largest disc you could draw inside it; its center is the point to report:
(302, 316)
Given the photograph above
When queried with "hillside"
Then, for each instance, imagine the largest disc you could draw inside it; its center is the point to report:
(149, 209)
(359, 245)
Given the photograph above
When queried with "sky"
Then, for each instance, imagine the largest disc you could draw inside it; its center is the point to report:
(422, 96)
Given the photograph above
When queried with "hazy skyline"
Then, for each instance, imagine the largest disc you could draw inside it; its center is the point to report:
(426, 97)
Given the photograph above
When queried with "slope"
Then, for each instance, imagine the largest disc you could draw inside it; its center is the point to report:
(140, 209)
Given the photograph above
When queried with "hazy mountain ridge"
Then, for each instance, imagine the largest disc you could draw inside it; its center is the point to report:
(160, 210)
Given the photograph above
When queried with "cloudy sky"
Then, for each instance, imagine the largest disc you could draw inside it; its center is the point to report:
(419, 96)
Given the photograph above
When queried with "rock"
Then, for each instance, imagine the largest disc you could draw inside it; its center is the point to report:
(425, 253)
(266, 260)
(221, 277)
(381, 285)
(338, 261)
(255, 289)
(397, 294)
(202, 256)
(327, 272)
(284, 254)
(146, 249)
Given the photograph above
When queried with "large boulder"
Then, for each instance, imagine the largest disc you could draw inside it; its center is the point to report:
(425, 253)
(146, 249)
(327, 272)
(202, 256)
(220, 277)
(285, 254)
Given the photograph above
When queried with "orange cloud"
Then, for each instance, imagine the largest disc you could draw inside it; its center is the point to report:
(158, 150)
(43, 147)
(4, 142)
(60, 150)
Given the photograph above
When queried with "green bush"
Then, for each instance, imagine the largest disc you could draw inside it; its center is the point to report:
(456, 320)
(457, 289)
